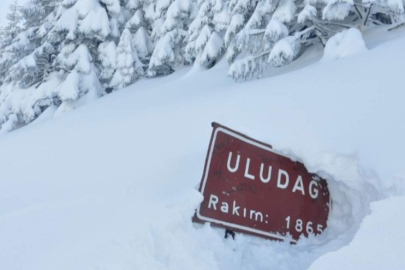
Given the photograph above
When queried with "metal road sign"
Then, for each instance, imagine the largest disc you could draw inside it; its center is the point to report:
(248, 187)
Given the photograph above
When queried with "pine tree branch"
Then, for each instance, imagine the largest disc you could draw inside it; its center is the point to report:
(358, 11)
(334, 23)
(396, 26)
(368, 15)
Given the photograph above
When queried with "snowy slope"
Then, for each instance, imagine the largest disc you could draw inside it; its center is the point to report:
(112, 185)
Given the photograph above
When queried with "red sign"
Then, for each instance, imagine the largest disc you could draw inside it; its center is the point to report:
(250, 188)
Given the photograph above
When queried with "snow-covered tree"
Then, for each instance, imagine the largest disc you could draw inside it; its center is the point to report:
(80, 28)
(107, 59)
(170, 26)
(128, 65)
(205, 43)
(9, 55)
(14, 19)
(34, 51)
(140, 26)
(64, 52)
(278, 31)
(270, 22)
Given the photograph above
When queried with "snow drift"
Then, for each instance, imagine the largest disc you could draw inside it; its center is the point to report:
(346, 43)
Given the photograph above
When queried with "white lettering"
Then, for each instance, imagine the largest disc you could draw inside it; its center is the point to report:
(247, 174)
(287, 179)
(267, 179)
(299, 185)
(235, 209)
(213, 201)
(287, 219)
(252, 212)
(313, 192)
(224, 207)
(234, 169)
(256, 215)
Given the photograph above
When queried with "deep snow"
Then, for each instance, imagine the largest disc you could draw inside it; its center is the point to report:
(112, 185)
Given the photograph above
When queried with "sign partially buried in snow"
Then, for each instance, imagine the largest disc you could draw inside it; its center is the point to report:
(250, 188)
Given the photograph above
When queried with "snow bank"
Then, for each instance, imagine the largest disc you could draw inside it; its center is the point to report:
(377, 245)
(346, 43)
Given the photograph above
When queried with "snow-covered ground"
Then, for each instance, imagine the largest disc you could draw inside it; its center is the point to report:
(112, 185)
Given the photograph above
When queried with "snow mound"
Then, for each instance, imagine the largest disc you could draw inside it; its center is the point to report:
(343, 44)
(380, 232)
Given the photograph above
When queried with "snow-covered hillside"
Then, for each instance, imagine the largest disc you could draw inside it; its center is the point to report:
(112, 185)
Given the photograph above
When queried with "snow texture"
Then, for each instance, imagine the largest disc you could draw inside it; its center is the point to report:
(284, 51)
(377, 245)
(275, 30)
(285, 11)
(346, 43)
(307, 12)
(337, 9)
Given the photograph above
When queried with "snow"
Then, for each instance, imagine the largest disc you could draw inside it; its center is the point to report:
(164, 51)
(235, 24)
(275, 30)
(221, 20)
(203, 38)
(68, 22)
(285, 11)
(337, 9)
(396, 5)
(162, 5)
(108, 59)
(307, 12)
(112, 185)
(346, 43)
(9, 124)
(284, 51)
(381, 234)
(142, 43)
(136, 20)
(214, 47)
(80, 59)
(96, 22)
(69, 89)
(128, 64)
(113, 6)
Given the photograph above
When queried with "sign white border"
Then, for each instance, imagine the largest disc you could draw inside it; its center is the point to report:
(224, 223)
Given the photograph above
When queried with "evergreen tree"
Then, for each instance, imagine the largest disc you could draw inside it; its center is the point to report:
(14, 19)
(205, 43)
(169, 29)
(107, 59)
(10, 54)
(141, 28)
(89, 29)
(36, 65)
(278, 31)
(67, 52)
(128, 65)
